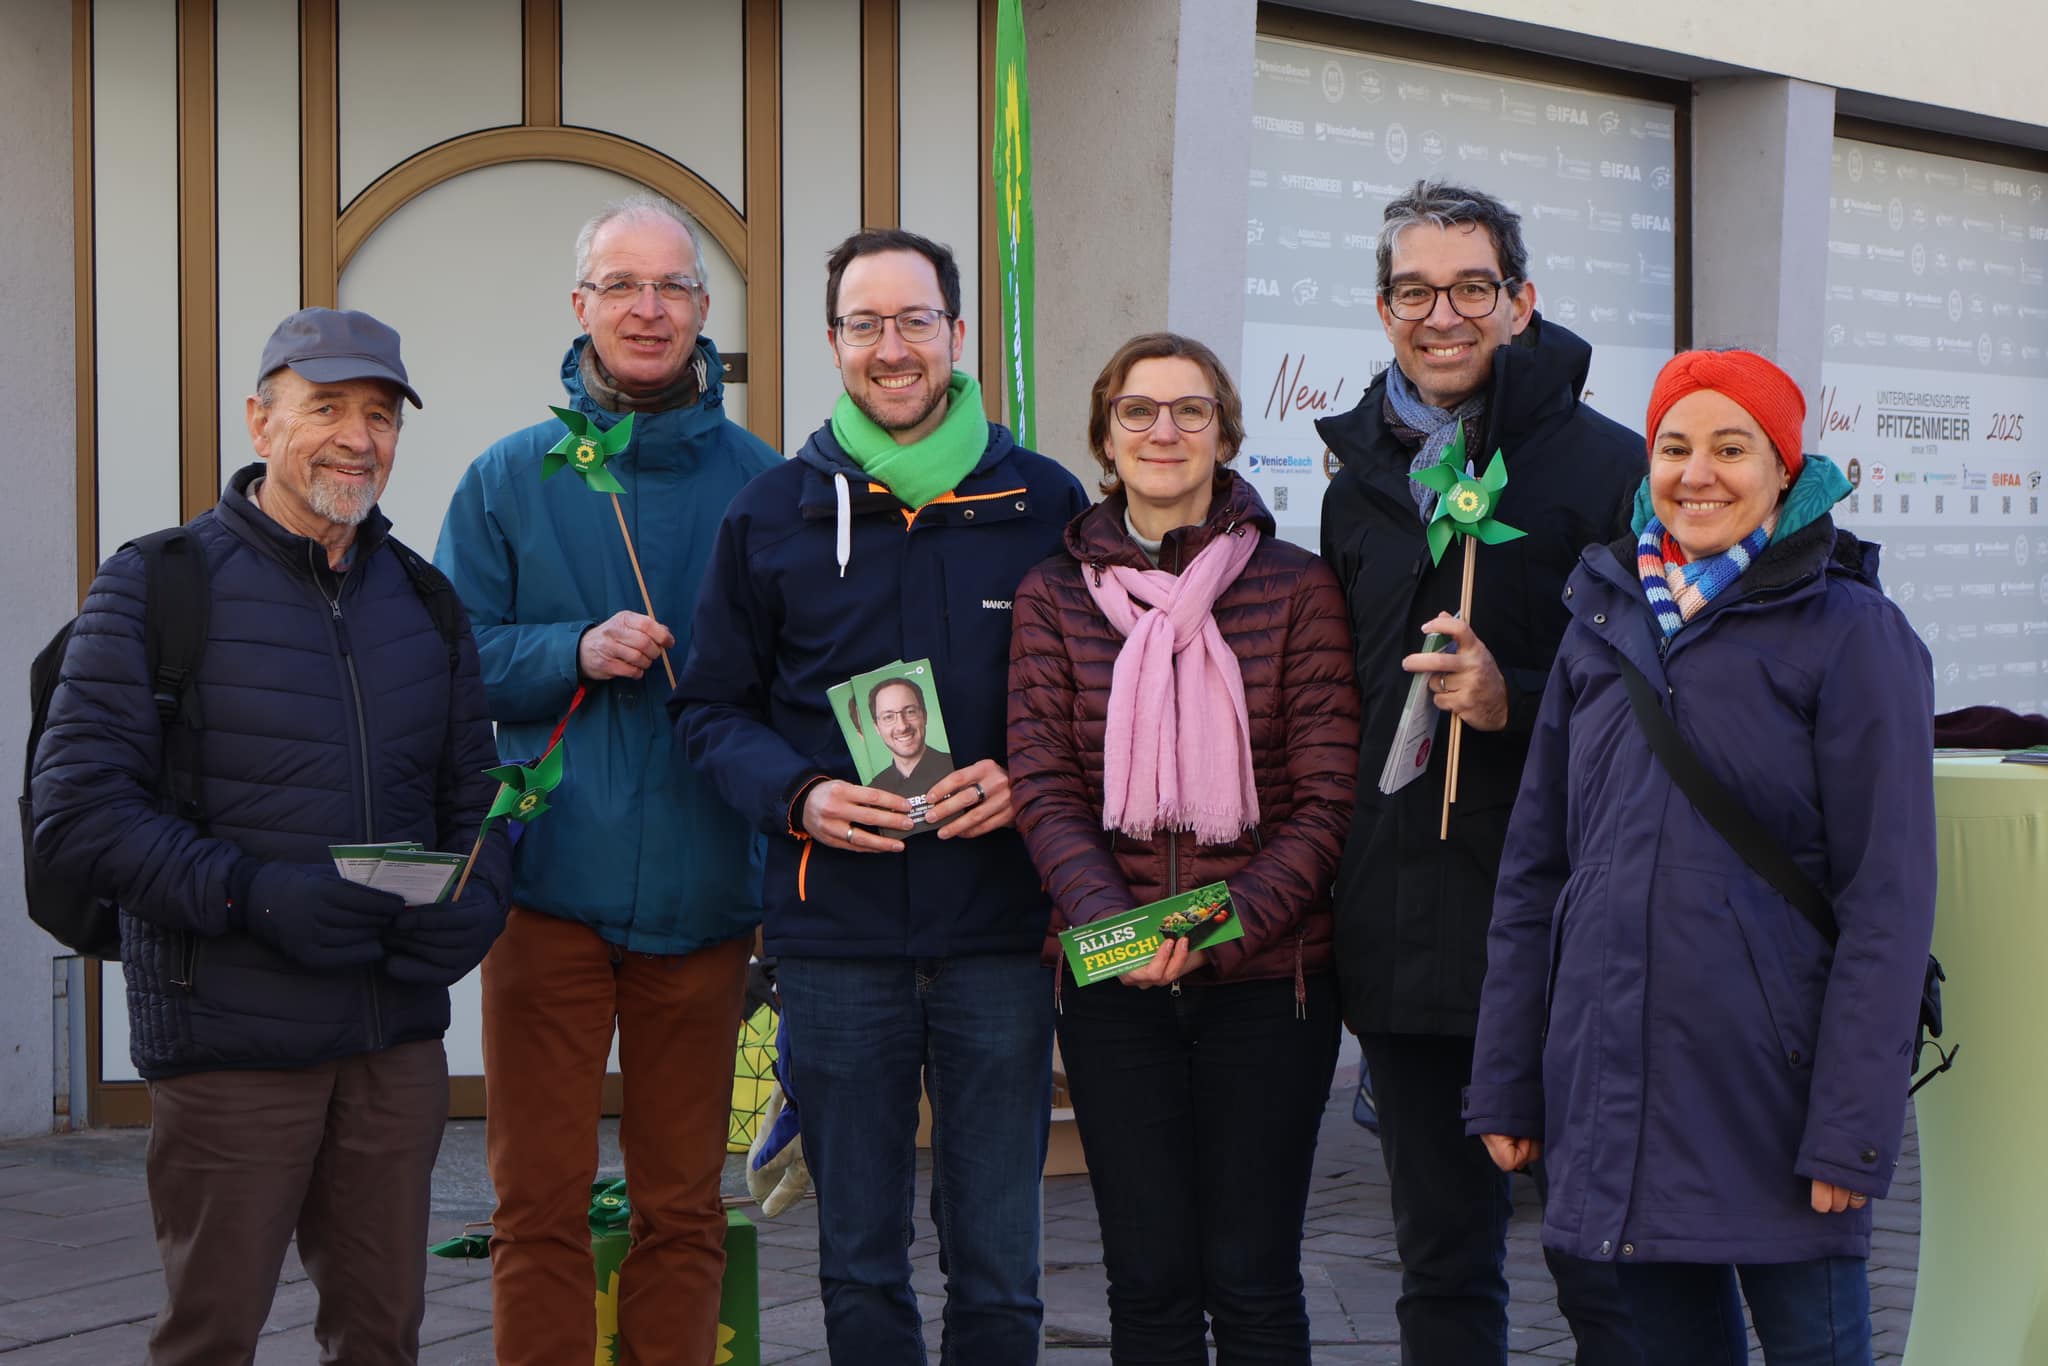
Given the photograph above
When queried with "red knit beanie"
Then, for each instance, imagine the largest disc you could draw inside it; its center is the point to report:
(1762, 390)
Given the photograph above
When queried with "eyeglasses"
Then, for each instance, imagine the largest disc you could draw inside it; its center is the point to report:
(912, 324)
(672, 290)
(1414, 301)
(909, 716)
(1136, 413)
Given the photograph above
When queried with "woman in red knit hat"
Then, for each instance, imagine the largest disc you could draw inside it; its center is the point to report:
(1714, 1077)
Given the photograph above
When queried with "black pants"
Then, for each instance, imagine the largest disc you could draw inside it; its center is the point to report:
(1199, 1114)
(1451, 1210)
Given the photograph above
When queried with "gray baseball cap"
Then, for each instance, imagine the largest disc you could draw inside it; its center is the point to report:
(327, 346)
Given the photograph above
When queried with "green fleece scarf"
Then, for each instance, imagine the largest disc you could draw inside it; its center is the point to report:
(925, 469)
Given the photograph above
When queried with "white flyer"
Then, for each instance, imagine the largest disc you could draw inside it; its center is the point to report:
(1415, 737)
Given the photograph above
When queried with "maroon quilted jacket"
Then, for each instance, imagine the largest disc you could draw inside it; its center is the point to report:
(1285, 620)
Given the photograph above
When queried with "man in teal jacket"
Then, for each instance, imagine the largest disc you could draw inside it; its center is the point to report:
(636, 896)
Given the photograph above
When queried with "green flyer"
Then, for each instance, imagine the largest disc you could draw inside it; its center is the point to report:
(1114, 945)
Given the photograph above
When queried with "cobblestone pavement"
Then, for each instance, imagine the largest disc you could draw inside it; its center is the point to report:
(79, 1280)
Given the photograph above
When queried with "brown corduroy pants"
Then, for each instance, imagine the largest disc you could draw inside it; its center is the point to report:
(553, 992)
(343, 1155)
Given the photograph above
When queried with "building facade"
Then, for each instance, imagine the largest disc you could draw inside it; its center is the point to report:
(1805, 180)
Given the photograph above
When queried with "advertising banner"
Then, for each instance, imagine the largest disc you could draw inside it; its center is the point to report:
(1014, 235)
(1934, 399)
(1336, 134)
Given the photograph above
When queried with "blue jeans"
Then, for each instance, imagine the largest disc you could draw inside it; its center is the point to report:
(1451, 1209)
(977, 1032)
(1199, 1112)
(1813, 1313)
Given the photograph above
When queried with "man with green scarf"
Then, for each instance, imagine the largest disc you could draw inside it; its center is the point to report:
(900, 531)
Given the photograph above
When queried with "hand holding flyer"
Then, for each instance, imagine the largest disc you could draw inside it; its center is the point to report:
(1415, 736)
(1117, 944)
(894, 731)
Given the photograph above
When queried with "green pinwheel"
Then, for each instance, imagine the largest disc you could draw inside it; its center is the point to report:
(585, 449)
(523, 789)
(1464, 505)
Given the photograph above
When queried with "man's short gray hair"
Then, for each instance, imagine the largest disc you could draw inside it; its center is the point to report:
(645, 205)
(1444, 205)
(266, 399)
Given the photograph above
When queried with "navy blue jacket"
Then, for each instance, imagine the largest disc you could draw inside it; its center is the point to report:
(323, 724)
(1691, 1050)
(778, 624)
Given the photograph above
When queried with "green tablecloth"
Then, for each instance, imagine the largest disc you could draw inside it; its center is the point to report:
(1982, 1295)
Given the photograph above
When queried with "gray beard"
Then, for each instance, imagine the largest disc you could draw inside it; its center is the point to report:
(343, 507)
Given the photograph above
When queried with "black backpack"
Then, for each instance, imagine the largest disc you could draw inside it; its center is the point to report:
(174, 636)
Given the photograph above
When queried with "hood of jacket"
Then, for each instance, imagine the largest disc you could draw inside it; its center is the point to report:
(1537, 379)
(1820, 485)
(669, 432)
(834, 486)
(1098, 536)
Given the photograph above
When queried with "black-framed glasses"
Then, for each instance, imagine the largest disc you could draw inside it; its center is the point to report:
(672, 290)
(1137, 413)
(1411, 301)
(912, 324)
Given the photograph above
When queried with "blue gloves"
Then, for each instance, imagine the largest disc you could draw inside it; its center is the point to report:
(436, 945)
(309, 913)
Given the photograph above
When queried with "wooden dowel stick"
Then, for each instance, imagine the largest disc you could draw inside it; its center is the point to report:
(474, 850)
(1456, 746)
(641, 579)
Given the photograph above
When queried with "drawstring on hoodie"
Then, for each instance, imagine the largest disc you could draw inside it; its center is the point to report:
(842, 541)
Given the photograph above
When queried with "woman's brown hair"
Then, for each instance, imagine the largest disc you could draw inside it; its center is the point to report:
(1163, 346)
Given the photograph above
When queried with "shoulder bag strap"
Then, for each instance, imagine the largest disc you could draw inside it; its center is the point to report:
(1721, 808)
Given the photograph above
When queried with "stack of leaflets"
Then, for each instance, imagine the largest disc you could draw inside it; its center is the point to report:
(1116, 944)
(890, 718)
(404, 869)
(1415, 737)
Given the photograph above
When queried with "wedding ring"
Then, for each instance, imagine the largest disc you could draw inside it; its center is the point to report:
(980, 793)
(849, 833)
(1858, 1200)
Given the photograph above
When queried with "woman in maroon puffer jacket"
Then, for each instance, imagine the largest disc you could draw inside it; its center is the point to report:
(1182, 711)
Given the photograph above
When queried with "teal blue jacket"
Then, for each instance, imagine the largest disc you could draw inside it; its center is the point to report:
(635, 844)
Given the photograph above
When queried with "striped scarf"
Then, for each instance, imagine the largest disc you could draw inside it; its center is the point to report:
(1678, 588)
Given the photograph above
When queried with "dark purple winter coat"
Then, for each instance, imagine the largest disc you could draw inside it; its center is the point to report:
(1689, 1047)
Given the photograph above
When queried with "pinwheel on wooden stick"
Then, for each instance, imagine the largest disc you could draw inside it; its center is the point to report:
(1464, 508)
(587, 451)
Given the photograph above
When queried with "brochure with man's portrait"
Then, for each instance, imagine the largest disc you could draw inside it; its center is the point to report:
(895, 732)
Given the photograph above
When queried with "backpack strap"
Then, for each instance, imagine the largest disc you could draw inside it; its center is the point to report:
(1722, 809)
(436, 593)
(175, 618)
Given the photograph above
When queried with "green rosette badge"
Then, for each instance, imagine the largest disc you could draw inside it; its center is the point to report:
(1464, 505)
(585, 449)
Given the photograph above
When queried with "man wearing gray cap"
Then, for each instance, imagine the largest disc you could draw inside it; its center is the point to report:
(288, 1021)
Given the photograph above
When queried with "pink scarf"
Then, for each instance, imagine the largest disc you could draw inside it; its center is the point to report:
(1178, 752)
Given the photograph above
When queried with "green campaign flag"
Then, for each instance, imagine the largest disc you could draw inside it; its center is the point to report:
(1014, 233)
(586, 449)
(523, 790)
(1464, 505)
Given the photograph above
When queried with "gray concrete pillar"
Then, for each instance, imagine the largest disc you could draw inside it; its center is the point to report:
(1141, 132)
(1761, 149)
(38, 555)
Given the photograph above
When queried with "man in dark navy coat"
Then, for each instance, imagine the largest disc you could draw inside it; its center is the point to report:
(288, 1022)
(1470, 350)
(899, 532)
